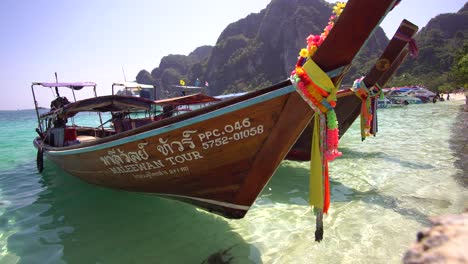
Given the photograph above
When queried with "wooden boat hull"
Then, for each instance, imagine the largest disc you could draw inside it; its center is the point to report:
(220, 160)
(219, 157)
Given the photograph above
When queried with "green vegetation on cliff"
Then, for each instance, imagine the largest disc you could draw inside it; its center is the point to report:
(442, 61)
(262, 48)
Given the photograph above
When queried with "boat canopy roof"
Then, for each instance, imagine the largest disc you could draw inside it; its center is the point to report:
(188, 87)
(197, 98)
(133, 85)
(108, 103)
(227, 96)
(71, 85)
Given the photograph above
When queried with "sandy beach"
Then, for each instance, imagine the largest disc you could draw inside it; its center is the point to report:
(456, 96)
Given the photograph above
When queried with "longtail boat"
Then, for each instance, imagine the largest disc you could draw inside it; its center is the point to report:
(349, 103)
(218, 157)
(132, 89)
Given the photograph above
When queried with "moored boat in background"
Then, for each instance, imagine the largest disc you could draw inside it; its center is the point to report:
(133, 89)
(410, 95)
(384, 103)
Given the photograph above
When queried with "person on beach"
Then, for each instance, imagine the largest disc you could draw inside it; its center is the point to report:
(435, 98)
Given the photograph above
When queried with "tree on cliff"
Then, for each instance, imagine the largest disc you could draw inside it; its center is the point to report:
(439, 65)
(460, 68)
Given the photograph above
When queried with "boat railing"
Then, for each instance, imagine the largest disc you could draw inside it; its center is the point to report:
(54, 113)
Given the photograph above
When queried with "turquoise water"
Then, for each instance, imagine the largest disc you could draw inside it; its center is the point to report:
(383, 191)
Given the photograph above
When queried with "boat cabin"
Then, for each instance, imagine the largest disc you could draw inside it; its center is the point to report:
(115, 113)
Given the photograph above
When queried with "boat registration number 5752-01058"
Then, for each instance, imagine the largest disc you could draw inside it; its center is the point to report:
(231, 132)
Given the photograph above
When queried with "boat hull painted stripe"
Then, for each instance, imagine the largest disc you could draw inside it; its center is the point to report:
(223, 204)
(151, 133)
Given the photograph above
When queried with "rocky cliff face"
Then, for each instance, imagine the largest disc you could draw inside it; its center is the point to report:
(439, 42)
(245, 60)
(260, 49)
(174, 68)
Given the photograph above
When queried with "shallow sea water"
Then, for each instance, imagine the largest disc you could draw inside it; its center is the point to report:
(383, 191)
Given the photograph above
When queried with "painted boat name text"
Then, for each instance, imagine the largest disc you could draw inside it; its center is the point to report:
(177, 152)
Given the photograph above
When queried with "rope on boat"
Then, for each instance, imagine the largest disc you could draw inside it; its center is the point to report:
(40, 158)
(40, 154)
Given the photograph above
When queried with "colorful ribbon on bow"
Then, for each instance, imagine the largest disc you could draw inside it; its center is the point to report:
(318, 90)
(362, 92)
(413, 48)
(369, 98)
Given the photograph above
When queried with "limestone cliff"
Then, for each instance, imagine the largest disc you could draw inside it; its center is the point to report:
(259, 50)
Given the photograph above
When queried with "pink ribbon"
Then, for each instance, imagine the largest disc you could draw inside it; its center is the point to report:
(411, 44)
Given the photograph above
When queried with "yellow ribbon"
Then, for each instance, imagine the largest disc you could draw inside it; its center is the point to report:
(316, 180)
(319, 77)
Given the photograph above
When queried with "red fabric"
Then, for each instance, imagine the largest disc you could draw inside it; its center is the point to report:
(326, 202)
(70, 134)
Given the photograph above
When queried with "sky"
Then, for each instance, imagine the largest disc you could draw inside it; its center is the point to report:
(106, 41)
